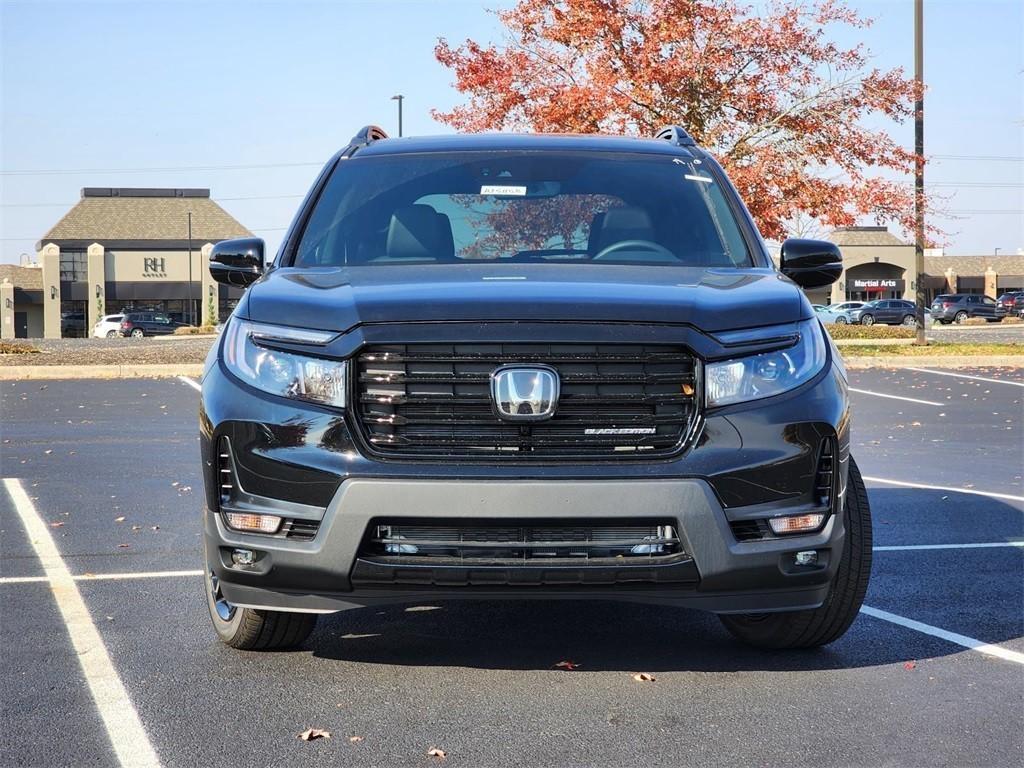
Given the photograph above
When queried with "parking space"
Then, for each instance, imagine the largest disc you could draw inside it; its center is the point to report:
(479, 680)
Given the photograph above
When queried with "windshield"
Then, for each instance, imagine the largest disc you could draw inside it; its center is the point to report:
(543, 206)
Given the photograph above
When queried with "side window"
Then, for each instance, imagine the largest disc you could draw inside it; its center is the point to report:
(972, 299)
(990, 302)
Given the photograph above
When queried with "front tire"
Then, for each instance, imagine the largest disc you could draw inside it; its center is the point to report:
(867, 320)
(909, 320)
(112, 334)
(248, 629)
(820, 626)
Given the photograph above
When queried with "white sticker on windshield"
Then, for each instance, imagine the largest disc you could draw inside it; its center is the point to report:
(502, 189)
(692, 177)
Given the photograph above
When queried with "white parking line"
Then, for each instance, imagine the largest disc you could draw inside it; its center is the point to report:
(104, 576)
(965, 376)
(971, 491)
(906, 547)
(896, 397)
(191, 382)
(950, 637)
(127, 736)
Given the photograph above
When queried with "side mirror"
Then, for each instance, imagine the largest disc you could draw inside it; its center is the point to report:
(237, 262)
(811, 263)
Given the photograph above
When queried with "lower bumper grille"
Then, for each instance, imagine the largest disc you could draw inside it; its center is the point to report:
(519, 555)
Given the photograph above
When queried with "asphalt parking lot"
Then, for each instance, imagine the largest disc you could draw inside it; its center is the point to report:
(107, 653)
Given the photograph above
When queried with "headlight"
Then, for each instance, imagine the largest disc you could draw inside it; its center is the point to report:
(283, 373)
(769, 373)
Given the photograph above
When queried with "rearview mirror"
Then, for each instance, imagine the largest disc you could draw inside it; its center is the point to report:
(237, 262)
(811, 263)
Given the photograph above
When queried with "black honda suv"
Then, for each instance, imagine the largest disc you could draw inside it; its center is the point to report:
(496, 366)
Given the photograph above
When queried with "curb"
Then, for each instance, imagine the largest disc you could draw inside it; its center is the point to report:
(127, 371)
(933, 361)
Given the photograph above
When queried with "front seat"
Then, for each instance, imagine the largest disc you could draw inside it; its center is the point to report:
(618, 224)
(416, 234)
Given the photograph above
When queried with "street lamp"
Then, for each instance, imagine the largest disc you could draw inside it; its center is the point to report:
(399, 97)
(191, 312)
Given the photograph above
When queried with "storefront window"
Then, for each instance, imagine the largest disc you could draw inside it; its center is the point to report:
(74, 266)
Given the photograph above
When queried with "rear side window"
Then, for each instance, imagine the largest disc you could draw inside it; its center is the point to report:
(522, 206)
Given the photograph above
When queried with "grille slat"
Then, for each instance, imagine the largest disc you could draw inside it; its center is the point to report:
(421, 400)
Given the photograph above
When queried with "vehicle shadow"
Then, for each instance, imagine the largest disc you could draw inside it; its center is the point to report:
(607, 636)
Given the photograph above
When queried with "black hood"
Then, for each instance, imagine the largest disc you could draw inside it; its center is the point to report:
(338, 299)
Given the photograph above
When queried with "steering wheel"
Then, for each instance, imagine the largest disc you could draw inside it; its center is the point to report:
(635, 245)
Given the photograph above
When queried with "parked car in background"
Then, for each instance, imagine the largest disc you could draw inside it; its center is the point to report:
(108, 327)
(139, 324)
(957, 307)
(887, 311)
(828, 316)
(846, 306)
(1011, 303)
(72, 324)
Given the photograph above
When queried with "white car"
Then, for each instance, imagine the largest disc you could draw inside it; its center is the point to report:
(108, 327)
(828, 316)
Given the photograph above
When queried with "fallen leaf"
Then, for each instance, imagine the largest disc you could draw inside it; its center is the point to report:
(57, 524)
(156, 527)
(48, 451)
(355, 739)
(440, 754)
(311, 734)
(643, 677)
(567, 665)
(910, 665)
(119, 519)
(123, 546)
(136, 527)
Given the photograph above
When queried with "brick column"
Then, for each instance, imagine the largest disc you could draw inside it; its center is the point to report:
(49, 257)
(7, 309)
(209, 299)
(951, 281)
(97, 286)
(991, 282)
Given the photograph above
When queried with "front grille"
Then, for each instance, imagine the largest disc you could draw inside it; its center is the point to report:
(486, 554)
(422, 400)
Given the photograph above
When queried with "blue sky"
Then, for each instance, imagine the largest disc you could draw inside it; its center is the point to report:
(148, 85)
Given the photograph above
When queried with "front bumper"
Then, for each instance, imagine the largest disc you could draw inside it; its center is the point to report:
(733, 576)
(748, 462)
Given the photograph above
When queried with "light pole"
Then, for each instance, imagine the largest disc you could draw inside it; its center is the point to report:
(919, 164)
(191, 317)
(399, 98)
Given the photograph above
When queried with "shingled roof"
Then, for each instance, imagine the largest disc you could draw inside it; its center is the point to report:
(120, 216)
(863, 236)
(26, 278)
(974, 265)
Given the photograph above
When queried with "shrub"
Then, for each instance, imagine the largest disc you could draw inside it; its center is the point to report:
(975, 321)
(16, 348)
(192, 330)
(1012, 320)
(870, 331)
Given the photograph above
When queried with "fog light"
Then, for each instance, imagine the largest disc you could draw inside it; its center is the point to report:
(243, 521)
(797, 523)
(246, 557)
(807, 557)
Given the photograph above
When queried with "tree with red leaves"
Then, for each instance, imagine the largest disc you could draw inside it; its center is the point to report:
(766, 91)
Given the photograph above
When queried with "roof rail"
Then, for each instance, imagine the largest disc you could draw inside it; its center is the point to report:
(367, 134)
(676, 135)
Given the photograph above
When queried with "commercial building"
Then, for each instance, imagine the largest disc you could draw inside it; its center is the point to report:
(120, 249)
(878, 265)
